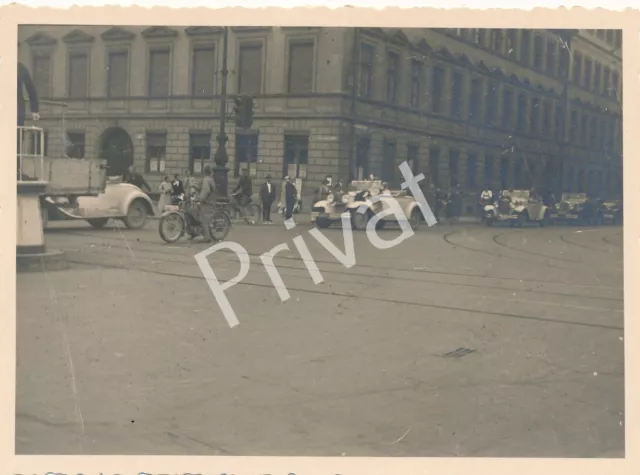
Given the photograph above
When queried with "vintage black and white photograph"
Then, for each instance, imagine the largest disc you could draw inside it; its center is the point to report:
(319, 241)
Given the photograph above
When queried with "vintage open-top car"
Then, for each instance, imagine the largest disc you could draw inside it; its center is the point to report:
(516, 207)
(121, 201)
(569, 208)
(329, 211)
(612, 211)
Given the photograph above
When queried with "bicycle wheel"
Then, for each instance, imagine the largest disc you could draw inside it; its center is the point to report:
(220, 225)
(252, 211)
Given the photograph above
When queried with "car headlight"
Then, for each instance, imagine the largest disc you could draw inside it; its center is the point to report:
(330, 198)
(345, 199)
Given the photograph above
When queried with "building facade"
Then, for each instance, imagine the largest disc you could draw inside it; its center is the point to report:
(473, 107)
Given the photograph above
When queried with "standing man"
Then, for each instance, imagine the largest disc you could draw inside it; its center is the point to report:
(177, 187)
(25, 81)
(267, 196)
(290, 194)
(242, 192)
(207, 203)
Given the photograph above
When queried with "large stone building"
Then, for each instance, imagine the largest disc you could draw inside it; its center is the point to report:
(464, 106)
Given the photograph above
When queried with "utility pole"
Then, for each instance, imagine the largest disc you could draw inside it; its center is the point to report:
(561, 131)
(353, 145)
(221, 158)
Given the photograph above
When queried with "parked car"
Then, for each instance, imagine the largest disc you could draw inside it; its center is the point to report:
(517, 208)
(612, 212)
(326, 212)
(569, 208)
(121, 201)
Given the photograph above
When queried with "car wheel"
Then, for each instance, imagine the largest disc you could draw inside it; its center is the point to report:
(522, 219)
(98, 222)
(323, 223)
(136, 215)
(489, 221)
(359, 220)
(415, 218)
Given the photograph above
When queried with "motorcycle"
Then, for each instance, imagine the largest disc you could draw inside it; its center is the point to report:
(178, 220)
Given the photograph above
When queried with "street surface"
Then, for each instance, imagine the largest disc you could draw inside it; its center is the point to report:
(129, 353)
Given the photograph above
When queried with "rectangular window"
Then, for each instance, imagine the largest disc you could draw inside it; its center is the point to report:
(362, 158)
(296, 156)
(437, 89)
(610, 37)
(388, 161)
(551, 57)
(159, 72)
(78, 75)
(488, 170)
(42, 74)
(538, 53)
(565, 55)
(575, 127)
(75, 144)
(546, 119)
(577, 68)
(250, 69)
(521, 120)
(472, 164)
(416, 83)
(393, 67)
(246, 152)
(559, 124)
(453, 167)
(584, 129)
(301, 62)
(615, 85)
(525, 51)
(588, 73)
(475, 105)
(507, 108)
(517, 172)
(491, 108)
(512, 43)
(199, 151)
(597, 75)
(434, 166)
(367, 57)
(606, 81)
(203, 70)
(535, 116)
(496, 41)
(118, 74)
(593, 132)
(504, 173)
(457, 95)
(156, 152)
(412, 158)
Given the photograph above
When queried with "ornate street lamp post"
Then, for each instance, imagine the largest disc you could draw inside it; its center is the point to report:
(221, 158)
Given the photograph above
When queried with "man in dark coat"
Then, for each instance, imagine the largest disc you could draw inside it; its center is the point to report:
(267, 196)
(177, 187)
(290, 194)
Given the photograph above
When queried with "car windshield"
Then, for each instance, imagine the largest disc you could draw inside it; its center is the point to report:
(372, 186)
(517, 195)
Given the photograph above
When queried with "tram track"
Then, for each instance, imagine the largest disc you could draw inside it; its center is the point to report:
(345, 295)
(419, 274)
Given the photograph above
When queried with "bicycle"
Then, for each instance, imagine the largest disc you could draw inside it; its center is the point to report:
(250, 211)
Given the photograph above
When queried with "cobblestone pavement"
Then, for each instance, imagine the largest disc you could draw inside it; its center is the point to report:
(364, 364)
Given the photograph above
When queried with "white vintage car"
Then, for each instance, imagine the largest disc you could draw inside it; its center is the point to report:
(612, 212)
(326, 212)
(121, 201)
(517, 208)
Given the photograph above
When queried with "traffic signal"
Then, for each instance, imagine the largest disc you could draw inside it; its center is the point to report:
(244, 111)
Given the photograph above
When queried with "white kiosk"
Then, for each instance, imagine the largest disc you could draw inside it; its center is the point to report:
(31, 252)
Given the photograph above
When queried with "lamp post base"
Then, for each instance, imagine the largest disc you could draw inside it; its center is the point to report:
(220, 171)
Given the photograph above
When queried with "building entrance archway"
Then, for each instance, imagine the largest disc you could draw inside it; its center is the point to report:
(116, 147)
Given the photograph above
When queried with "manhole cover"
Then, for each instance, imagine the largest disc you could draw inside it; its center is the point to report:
(459, 353)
